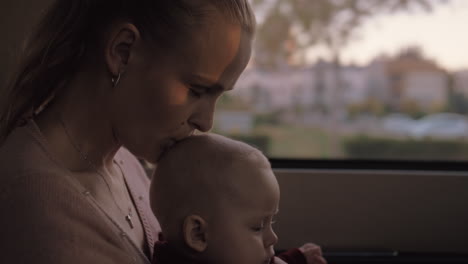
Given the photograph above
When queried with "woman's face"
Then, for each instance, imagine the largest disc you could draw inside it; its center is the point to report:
(164, 98)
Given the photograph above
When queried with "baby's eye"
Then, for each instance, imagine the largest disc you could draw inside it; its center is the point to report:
(273, 220)
(258, 228)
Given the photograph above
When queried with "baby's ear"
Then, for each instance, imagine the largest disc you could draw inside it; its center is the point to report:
(195, 234)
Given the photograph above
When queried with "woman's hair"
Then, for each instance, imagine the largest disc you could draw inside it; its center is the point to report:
(70, 30)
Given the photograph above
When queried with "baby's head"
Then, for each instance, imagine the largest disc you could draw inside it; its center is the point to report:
(215, 199)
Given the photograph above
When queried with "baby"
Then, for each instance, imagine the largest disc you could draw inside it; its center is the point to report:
(216, 200)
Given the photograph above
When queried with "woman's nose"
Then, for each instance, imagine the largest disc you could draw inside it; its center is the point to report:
(203, 125)
(202, 119)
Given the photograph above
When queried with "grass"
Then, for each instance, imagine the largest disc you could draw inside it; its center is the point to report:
(290, 141)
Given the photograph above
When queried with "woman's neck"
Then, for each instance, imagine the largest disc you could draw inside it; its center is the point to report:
(77, 129)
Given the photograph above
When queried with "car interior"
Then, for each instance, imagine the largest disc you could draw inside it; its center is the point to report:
(360, 207)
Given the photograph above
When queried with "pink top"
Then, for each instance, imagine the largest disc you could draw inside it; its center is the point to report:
(49, 217)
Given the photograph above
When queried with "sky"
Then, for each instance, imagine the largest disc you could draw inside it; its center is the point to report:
(442, 34)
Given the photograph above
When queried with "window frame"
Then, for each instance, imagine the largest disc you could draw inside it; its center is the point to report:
(365, 164)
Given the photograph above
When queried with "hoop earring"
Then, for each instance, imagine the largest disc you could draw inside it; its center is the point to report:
(115, 81)
(41, 107)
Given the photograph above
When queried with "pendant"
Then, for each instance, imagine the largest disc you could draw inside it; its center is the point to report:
(129, 219)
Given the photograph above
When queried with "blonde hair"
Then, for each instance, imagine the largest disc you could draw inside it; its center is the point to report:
(71, 29)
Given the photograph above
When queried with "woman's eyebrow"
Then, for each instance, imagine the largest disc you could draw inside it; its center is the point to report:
(208, 84)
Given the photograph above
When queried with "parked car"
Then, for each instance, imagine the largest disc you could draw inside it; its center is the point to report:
(398, 124)
(441, 125)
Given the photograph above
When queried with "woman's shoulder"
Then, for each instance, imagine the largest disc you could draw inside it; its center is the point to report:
(57, 223)
(44, 207)
(34, 182)
(29, 173)
(22, 155)
(50, 211)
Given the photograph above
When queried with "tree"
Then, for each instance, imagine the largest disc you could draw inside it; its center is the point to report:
(290, 27)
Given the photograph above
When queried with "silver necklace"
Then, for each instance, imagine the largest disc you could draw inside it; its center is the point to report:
(83, 156)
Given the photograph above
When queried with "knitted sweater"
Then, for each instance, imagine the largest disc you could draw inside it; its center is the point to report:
(48, 217)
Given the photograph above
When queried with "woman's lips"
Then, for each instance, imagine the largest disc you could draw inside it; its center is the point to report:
(165, 147)
(168, 144)
(172, 141)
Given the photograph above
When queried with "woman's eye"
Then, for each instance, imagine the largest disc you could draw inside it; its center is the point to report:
(195, 93)
(197, 90)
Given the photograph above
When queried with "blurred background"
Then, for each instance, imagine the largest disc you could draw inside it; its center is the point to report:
(354, 79)
(336, 79)
(348, 79)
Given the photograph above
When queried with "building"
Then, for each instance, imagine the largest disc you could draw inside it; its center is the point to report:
(417, 81)
(312, 87)
(461, 82)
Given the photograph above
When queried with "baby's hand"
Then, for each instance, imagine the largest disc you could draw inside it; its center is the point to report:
(312, 254)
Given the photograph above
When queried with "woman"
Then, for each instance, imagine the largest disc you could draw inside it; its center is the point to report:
(101, 79)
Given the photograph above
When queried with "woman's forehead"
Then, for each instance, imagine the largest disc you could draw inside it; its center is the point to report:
(219, 53)
(239, 62)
